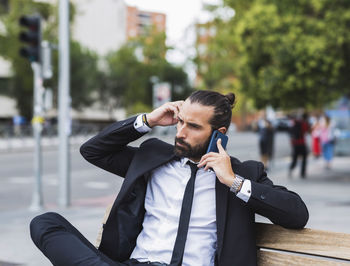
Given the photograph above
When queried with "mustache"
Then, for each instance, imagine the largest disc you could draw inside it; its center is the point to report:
(181, 141)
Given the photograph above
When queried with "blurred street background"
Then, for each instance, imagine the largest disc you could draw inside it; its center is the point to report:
(69, 68)
(325, 192)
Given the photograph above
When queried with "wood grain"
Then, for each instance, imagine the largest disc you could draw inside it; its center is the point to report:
(268, 258)
(104, 220)
(307, 241)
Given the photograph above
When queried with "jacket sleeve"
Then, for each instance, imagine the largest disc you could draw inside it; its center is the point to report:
(277, 203)
(109, 149)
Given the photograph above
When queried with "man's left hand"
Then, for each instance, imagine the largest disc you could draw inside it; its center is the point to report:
(220, 163)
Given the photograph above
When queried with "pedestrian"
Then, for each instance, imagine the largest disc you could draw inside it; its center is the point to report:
(299, 128)
(327, 140)
(174, 195)
(316, 138)
(266, 139)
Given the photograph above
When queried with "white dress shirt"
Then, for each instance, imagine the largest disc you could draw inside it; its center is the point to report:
(163, 201)
(165, 191)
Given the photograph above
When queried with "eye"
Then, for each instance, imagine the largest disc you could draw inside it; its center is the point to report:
(180, 120)
(194, 126)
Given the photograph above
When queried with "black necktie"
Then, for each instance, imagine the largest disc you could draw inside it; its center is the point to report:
(185, 215)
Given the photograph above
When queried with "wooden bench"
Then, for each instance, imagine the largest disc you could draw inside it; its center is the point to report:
(279, 246)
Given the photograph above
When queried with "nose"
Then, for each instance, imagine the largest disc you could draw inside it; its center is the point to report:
(181, 131)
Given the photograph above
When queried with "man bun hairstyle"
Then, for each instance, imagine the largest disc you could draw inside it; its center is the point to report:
(222, 104)
(231, 97)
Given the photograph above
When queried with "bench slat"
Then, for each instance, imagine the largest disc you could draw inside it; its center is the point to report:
(104, 220)
(307, 241)
(268, 258)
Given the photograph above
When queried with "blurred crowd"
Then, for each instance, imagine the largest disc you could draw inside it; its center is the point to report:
(322, 131)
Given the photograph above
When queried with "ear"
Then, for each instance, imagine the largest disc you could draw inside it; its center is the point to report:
(223, 130)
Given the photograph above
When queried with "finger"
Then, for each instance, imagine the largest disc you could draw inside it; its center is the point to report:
(208, 166)
(173, 109)
(220, 148)
(206, 161)
(176, 108)
(201, 163)
(176, 113)
(208, 155)
(178, 105)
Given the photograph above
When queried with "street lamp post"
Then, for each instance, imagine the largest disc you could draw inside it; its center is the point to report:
(64, 105)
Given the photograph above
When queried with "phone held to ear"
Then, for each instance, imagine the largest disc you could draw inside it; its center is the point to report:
(213, 140)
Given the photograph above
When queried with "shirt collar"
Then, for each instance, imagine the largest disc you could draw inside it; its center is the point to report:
(184, 161)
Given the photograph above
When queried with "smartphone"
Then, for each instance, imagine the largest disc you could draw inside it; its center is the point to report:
(212, 147)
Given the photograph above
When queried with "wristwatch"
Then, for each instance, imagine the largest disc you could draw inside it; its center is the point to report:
(144, 120)
(141, 124)
(237, 184)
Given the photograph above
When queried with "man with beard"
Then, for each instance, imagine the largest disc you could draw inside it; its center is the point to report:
(177, 205)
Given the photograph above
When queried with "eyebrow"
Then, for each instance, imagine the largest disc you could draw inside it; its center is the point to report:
(190, 123)
(194, 125)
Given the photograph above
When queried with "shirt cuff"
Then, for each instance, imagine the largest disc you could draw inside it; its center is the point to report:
(140, 126)
(246, 190)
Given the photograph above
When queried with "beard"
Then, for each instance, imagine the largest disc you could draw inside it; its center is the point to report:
(186, 150)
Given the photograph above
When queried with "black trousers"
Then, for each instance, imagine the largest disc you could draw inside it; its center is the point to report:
(64, 245)
(299, 150)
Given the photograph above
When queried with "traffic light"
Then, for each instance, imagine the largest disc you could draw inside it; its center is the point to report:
(32, 37)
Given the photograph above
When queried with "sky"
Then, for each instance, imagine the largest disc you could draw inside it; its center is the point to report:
(180, 15)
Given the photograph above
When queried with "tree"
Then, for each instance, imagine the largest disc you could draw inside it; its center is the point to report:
(215, 70)
(132, 67)
(21, 84)
(288, 53)
(213, 59)
(84, 75)
(84, 70)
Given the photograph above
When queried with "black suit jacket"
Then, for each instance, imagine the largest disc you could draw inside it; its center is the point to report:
(235, 218)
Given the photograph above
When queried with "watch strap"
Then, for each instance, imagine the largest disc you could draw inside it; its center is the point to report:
(237, 184)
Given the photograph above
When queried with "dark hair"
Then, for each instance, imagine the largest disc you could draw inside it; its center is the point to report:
(222, 104)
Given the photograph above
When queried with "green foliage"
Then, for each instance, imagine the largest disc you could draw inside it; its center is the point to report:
(84, 75)
(21, 84)
(214, 64)
(84, 72)
(128, 77)
(291, 53)
(132, 67)
(125, 82)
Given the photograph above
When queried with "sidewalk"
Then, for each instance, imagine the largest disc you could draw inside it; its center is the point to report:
(325, 192)
(28, 143)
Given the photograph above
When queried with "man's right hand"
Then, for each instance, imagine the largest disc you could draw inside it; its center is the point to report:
(165, 115)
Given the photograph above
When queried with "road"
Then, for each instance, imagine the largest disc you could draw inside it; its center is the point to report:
(89, 184)
(326, 193)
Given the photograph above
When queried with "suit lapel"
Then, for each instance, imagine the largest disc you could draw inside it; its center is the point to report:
(221, 210)
(151, 155)
(222, 192)
(155, 153)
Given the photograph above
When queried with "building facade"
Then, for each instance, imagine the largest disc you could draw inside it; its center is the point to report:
(138, 21)
(102, 26)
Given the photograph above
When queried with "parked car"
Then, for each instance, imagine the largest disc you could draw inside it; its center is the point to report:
(342, 141)
(282, 123)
